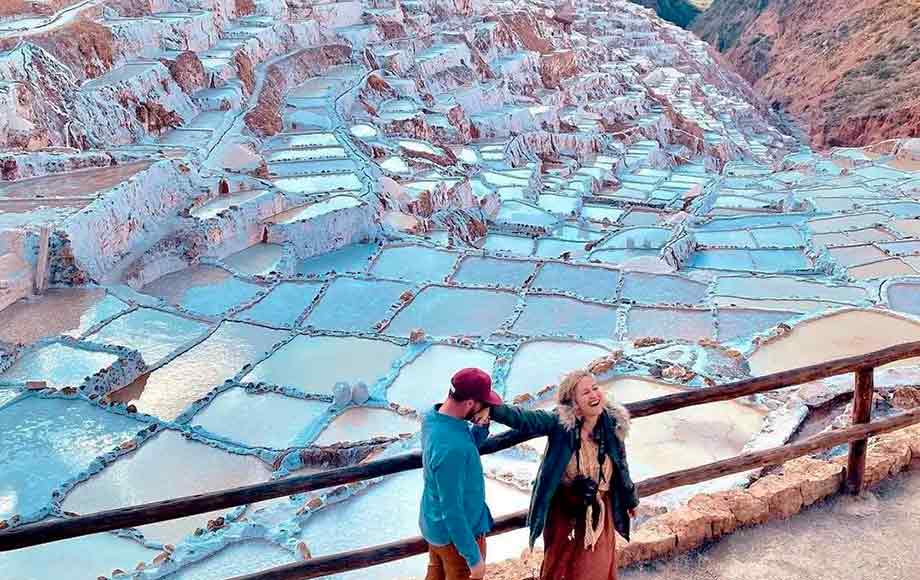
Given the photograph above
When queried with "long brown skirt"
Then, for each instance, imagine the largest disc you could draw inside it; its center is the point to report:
(565, 556)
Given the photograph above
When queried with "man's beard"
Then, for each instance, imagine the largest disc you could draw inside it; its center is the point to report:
(469, 416)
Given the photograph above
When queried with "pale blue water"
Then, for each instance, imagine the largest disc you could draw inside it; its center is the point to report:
(425, 380)
(350, 259)
(905, 296)
(477, 271)
(283, 305)
(314, 364)
(86, 558)
(236, 560)
(662, 289)
(552, 248)
(48, 441)
(355, 305)
(259, 420)
(584, 281)
(454, 312)
(59, 365)
(518, 245)
(414, 264)
(216, 299)
(669, 323)
(153, 333)
(559, 316)
(745, 322)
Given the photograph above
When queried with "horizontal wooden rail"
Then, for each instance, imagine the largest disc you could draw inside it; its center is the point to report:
(50, 531)
(381, 554)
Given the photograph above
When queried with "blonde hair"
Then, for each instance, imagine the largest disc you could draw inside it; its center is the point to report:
(566, 393)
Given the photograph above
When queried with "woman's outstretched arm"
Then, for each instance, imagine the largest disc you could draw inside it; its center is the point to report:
(527, 422)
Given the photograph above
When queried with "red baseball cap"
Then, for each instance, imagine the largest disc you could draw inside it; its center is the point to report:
(475, 384)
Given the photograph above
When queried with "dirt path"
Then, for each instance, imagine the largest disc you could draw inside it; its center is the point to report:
(845, 538)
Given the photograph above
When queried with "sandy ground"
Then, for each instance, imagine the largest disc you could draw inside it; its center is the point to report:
(845, 538)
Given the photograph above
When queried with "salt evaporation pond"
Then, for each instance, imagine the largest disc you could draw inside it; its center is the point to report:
(304, 298)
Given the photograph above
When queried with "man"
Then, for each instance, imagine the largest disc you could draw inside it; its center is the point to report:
(454, 517)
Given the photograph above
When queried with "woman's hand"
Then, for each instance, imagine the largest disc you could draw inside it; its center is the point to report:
(632, 513)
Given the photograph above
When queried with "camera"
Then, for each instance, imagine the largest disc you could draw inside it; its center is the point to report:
(585, 489)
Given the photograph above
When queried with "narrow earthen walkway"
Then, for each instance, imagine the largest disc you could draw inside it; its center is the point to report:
(844, 538)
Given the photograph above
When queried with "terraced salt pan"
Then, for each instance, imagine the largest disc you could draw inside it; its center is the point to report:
(259, 420)
(414, 264)
(67, 311)
(205, 290)
(313, 184)
(314, 364)
(426, 380)
(838, 335)
(684, 438)
(539, 363)
(364, 423)
(561, 316)
(661, 289)
(787, 288)
(59, 365)
(444, 312)
(236, 560)
(509, 244)
(671, 323)
(169, 390)
(283, 305)
(355, 305)
(153, 333)
(354, 259)
(737, 323)
(584, 281)
(259, 259)
(47, 442)
(478, 271)
(388, 511)
(160, 470)
(93, 556)
(905, 296)
(215, 206)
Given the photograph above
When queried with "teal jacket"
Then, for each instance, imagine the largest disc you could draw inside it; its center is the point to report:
(454, 509)
(560, 426)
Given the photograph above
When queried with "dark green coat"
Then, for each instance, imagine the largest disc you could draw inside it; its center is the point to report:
(560, 426)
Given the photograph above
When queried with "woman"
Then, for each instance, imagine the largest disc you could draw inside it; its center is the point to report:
(583, 491)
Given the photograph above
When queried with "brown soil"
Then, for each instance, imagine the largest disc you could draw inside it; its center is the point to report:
(84, 46)
(848, 69)
(187, 71)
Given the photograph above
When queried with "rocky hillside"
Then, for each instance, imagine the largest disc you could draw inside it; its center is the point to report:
(851, 75)
(680, 12)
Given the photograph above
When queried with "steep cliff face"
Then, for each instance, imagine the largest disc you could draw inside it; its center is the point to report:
(680, 12)
(848, 69)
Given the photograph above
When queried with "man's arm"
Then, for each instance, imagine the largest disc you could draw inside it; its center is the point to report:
(448, 479)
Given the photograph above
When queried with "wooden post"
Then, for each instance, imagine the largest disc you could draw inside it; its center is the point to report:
(862, 413)
(41, 268)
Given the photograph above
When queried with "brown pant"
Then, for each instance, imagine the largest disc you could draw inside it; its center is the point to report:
(446, 563)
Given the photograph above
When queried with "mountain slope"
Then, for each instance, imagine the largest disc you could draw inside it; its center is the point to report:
(848, 69)
(680, 12)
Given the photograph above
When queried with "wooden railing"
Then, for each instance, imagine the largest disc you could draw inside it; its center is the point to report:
(857, 435)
